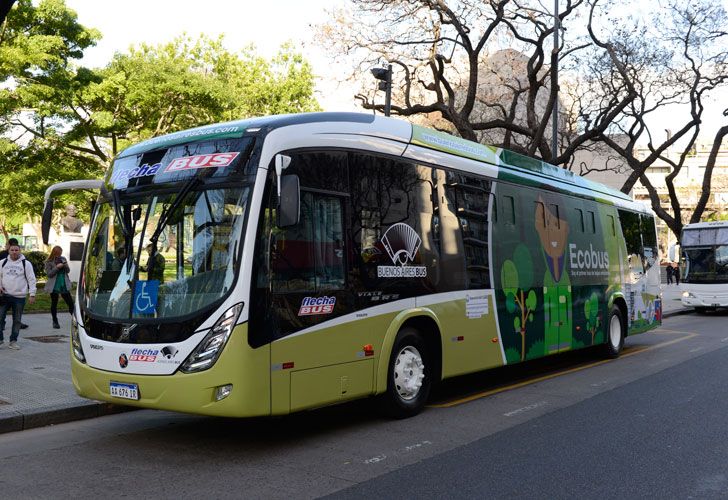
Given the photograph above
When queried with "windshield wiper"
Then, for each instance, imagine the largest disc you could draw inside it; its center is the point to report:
(171, 208)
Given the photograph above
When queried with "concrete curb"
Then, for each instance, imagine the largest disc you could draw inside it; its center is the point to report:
(52, 415)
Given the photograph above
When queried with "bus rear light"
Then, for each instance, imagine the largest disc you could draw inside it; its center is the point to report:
(207, 351)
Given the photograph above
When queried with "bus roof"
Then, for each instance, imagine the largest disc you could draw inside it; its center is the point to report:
(516, 164)
(706, 225)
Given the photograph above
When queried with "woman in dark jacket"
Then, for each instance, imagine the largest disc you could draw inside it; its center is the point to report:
(59, 283)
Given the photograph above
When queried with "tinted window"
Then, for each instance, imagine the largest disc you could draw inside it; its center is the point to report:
(465, 206)
(649, 240)
(392, 226)
(310, 255)
(509, 211)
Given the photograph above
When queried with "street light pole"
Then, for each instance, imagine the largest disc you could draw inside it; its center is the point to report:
(385, 75)
(555, 86)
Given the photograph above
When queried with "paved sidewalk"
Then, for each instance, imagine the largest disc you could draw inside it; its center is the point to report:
(35, 382)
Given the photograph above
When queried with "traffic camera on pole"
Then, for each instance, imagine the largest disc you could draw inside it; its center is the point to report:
(385, 84)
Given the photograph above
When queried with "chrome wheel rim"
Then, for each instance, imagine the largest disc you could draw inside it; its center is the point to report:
(409, 372)
(615, 331)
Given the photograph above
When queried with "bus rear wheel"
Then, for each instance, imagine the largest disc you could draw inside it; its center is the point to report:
(409, 376)
(615, 333)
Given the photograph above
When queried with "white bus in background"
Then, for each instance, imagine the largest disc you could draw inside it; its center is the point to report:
(704, 276)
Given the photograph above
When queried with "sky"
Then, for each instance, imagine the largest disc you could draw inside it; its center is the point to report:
(267, 24)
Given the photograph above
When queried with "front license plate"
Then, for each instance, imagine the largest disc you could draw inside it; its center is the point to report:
(124, 391)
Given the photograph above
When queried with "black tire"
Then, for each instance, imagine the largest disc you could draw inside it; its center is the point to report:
(615, 333)
(409, 376)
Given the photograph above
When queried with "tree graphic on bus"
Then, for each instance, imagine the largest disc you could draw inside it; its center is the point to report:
(591, 312)
(517, 280)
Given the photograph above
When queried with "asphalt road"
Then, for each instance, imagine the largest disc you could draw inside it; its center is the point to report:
(649, 424)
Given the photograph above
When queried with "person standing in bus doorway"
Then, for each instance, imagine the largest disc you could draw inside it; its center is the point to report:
(668, 272)
(57, 270)
(17, 280)
(4, 255)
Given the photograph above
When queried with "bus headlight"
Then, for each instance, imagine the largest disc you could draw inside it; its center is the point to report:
(689, 295)
(76, 341)
(207, 352)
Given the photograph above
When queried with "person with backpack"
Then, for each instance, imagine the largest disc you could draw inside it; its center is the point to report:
(4, 255)
(17, 280)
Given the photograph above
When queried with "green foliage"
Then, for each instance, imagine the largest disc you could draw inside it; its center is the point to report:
(522, 259)
(591, 311)
(517, 323)
(531, 302)
(511, 300)
(59, 121)
(512, 355)
(509, 276)
(37, 259)
(536, 350)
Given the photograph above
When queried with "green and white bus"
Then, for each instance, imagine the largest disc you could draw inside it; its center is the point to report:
(276, 264)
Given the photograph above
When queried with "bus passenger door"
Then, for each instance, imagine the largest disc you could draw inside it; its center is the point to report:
(315, 361)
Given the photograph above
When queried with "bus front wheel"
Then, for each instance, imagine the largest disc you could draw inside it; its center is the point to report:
(409, 376)
(615, 333)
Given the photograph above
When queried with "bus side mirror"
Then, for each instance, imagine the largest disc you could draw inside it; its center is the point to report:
(289, 201)
(46, 220)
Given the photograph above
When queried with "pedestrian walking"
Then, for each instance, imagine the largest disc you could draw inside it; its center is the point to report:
(17, 280)
(59, 282)
(4, 255)
(668, 272)
(676, 273)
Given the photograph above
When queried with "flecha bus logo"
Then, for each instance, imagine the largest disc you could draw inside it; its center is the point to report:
(317, 305)
(213, 160)
(146, 355)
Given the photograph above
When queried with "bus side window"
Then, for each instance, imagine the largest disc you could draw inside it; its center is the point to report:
(611, 225)
(579, 219)
(591, 222)
(630, 222)
(309, 256)
(509, 210)
(649, 240)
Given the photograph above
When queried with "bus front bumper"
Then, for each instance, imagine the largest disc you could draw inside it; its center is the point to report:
(692, 299)
(238, 366)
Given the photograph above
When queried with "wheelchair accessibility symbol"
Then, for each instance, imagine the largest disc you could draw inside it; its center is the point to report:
(145, 297)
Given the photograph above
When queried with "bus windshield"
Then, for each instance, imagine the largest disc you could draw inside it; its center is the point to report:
(708, 264)
(164, 254)
(705, 250)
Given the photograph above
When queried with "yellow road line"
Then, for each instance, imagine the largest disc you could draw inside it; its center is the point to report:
(491, 392)
(667, 330)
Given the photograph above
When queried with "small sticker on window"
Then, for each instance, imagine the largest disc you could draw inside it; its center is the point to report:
(311, 306)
